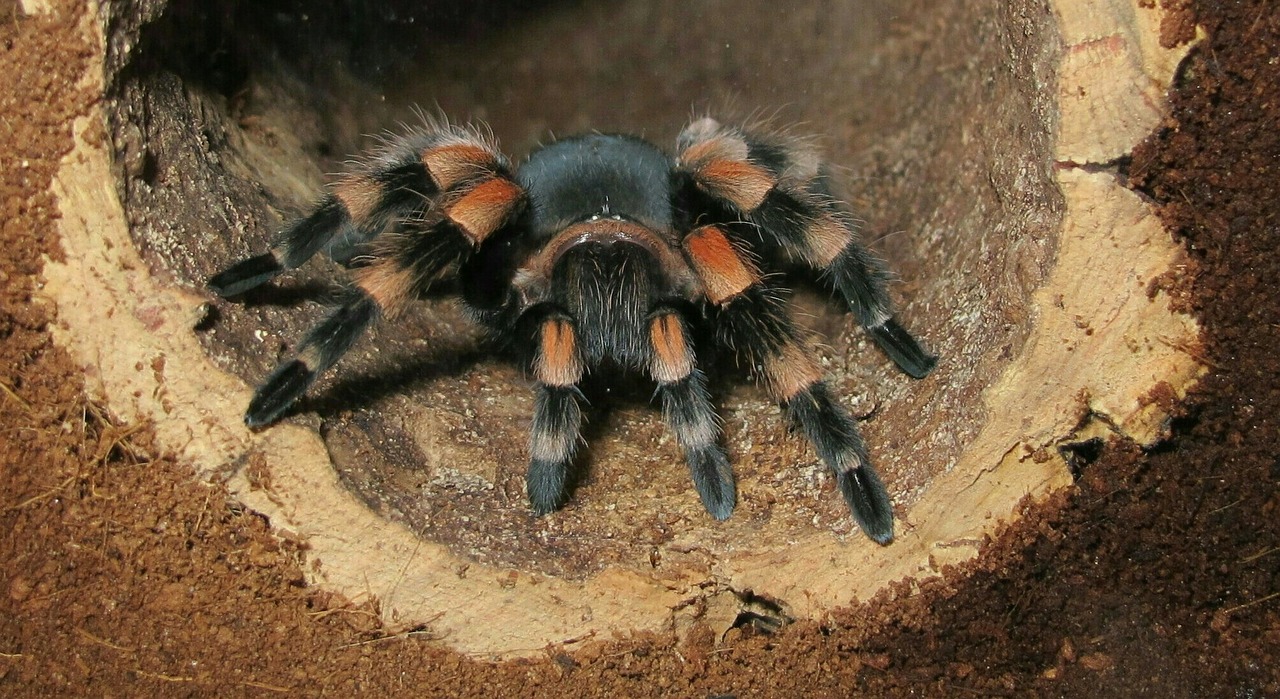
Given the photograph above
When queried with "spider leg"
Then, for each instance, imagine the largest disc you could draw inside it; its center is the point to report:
(398, 182)
(319, 351)
(399, 267)
(751, 321)
(780, 188)
(293, 246)
(860, 278)
(557, 415)
(687, 407)
(835, 436)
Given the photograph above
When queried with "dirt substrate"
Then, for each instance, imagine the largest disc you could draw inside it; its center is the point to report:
(1158, 575)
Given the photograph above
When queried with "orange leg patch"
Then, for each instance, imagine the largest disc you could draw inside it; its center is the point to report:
(456, 162)
(714, 148)
(672, 356)
(825, 239)
(789, 372)
(558, 363)
(359, 196)
(482, 210)
(742, 183)
(386, 283)
(718, 264)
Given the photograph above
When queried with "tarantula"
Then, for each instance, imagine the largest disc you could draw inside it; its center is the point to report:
(604, 250)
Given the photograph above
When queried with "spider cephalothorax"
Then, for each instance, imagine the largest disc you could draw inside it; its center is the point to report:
(604, 250)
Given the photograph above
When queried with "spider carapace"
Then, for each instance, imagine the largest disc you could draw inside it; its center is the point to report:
(603, 250)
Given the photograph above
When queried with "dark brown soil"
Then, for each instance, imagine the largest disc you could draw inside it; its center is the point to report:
(1159, 574)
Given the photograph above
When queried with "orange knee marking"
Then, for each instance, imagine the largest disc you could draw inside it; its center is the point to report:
(744, 184)
(455, 162)
(723, 271)
(721, 166)
(386, 283)
(482, 210)
(720, 147)
(359, 196)
(789, 372)
(825, 239)
(672, 357)
(558, 363)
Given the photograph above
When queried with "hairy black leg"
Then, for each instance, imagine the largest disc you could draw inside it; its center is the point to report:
(754, 325)
(777, 187)
(397, 269)
(689, 413)
(401, 182)
(861, 281)
(557, 420)
(384, 284)
(296, 245)
(557, 416)
(811, 228)
(361, 207)
(321, 348)
(836, 438)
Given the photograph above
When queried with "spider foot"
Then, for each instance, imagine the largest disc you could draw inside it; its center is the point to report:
(545, 481)
(290, 380)
(713, 477)
(245, 275)
(557, 419)
(903, 349)
(869, 500)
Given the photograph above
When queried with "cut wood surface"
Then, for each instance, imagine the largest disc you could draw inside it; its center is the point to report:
(985, 140)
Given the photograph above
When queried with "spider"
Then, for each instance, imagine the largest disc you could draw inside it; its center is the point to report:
(598, 251)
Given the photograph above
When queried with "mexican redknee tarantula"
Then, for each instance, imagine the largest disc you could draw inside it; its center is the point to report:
(604, 250)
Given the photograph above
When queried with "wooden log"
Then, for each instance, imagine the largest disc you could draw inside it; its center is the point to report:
(982, 145)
